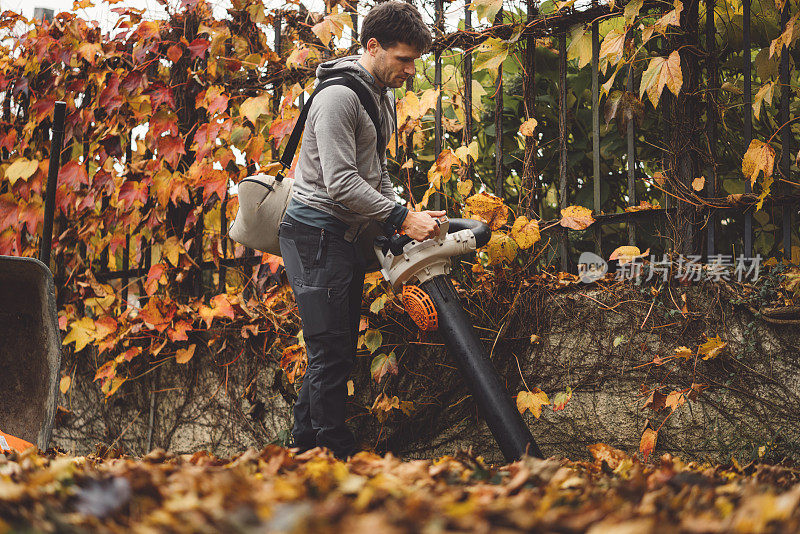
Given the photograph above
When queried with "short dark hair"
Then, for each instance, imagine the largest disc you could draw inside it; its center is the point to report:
(392, 22)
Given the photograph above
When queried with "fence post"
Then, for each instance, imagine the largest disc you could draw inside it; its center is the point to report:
(498, 121)
(747, 110)
(711, 121)
(468, 87)
(437, 83)
(562, 144)
(529, 178)
(631, 159)
(786, 137)
(598, 230)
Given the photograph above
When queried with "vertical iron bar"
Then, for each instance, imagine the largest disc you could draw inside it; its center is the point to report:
(468, 86)
(748, 122)
(126, 252)
(711, 121)
(598, 231)
(46, 244)
(562, 143)
(498, 123)
(437, 83)
(631, 160)
(223, 236)
(786, 137)
(529, 189)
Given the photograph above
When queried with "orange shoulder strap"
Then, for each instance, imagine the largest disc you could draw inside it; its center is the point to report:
(8, 442)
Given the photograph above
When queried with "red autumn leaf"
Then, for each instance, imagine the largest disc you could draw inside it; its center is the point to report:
(204, 139)
(282, 127)
(136, 79)
(214, 182)
(656, 401)
(222, 306)
(8, 211)
(131, 353)
(31, 215)
(110, 98)
(42, 108)
(171, 149)
(153, 276)
(198, 47)
(174, 53)
(73, 174)
(148, 29)
(162, 95)
(163, 122)
(648, 442)
(107, 370)
(178, 332)
(213, 100)
(274, 262)
(131, 193)
(9, 140)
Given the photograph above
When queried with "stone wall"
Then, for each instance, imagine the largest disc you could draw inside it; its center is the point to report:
(600, 341)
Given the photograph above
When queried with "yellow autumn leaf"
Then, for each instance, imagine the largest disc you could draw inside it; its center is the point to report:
(612, 46)
(660, 72)
(491, 54)
(489, 209)
(698, 183)
(428, 101)
(172, 250)
(580, 46)
(759, 157)
(683, 352)
(486, 9)
(82, 332)
(627, 253)
(110, 387)
(527, 127)
(464, 187)
(576, 217)
(711, 348)
(64, 384)
(22, 168)
(525, 232)
(501, 248)
(254, 107)
(764, 94)
(465, 152)
(533, 401)
(184, 355)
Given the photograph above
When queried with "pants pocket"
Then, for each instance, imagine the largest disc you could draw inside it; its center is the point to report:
(323, 310)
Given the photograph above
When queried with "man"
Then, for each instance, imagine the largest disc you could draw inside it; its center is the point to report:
(341, 185)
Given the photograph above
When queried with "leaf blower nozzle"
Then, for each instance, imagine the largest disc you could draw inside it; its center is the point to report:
(433, 304)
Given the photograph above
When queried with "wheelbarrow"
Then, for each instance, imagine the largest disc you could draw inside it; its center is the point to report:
(30, 341)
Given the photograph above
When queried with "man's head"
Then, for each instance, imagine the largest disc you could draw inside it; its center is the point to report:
(393, 36)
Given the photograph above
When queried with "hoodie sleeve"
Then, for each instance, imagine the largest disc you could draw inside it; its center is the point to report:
(334, 116)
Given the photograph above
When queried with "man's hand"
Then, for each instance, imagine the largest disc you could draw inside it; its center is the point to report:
(421, 225)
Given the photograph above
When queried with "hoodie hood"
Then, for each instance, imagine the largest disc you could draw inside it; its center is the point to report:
(349, 64)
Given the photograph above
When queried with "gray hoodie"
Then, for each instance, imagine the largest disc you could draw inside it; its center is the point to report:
(338, 171)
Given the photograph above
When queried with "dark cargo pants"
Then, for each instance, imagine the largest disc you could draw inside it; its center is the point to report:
(327, 279)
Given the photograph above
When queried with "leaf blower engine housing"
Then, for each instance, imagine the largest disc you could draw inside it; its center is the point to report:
(404, 260)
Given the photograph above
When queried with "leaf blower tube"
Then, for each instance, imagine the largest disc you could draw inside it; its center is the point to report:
(428, 264)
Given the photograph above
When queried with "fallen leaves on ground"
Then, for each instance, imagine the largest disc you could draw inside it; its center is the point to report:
(273, 490)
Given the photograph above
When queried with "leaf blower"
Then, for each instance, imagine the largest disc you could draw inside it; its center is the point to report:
(433, 304)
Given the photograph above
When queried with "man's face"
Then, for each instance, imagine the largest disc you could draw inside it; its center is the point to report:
(395, 64)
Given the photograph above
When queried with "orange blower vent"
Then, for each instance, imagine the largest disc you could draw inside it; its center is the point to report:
(420, 307)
